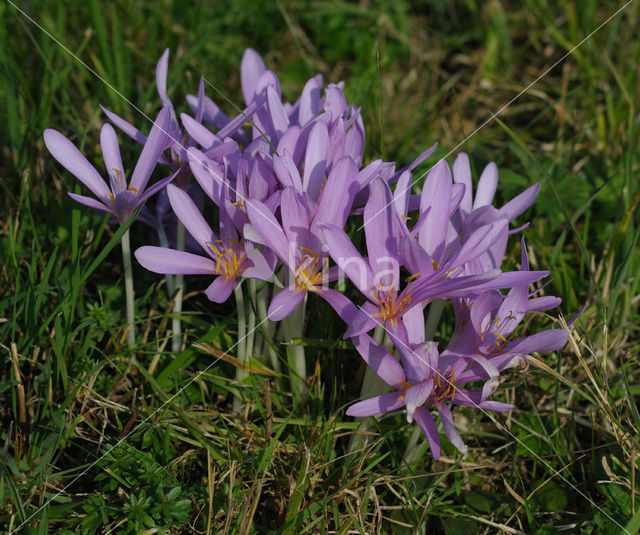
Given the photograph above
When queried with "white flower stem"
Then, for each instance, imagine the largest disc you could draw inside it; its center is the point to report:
(176, 326)
(293, 328)
(269, 328)
(164, 242)
(128, 288)
(241, 346)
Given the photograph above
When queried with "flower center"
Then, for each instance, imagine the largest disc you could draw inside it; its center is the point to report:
(230, 261)
(389, 306)
(307, 273)
(445, 387)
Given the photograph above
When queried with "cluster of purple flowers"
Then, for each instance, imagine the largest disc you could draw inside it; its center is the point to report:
(286, 178)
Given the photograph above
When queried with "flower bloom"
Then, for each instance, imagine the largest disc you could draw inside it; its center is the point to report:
(119, 197)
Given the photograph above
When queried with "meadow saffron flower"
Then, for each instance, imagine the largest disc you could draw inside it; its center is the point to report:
(423, 382)
(227, 258)
(121, 198)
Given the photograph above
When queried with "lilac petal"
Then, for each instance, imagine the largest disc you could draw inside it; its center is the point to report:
(295, 218)
(200, 102)
(347, 257)
(287, 172)
(338, 193)
(450, 429)
(402, 193)
(379, 359)
(210, 111)
(426, 422)
(520, 203)
(381, 232)
(251, 69)
(462, 175)
(125, 126)
(188, 213)
(310, 100)
(574, 318)
(415, 397)
(198, 132)
(549, 340)
(414, 322)
(262, 269)
(285, 303)
(486, 186)
(364, 320)
(481, 240)
(377, 405)
(495, 406)
(279, 118)
(170, 261)
(158, 186)
(90, 202)
(335, 102)
(112, 159)
(354, 142)
(341, 304)
(220, 289)
(209, 174)
(72, 159)
(422, 290)
(315, 160)
(161, 77)
(436, 194)
(152, 150)
(264, 222)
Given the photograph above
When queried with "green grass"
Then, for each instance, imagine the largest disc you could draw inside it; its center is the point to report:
(564, 461)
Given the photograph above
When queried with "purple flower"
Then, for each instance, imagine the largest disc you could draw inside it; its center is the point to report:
(119, 198)
(423, 382)
(227, 257)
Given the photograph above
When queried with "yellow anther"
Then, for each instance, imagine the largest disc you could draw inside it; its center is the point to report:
(411, 277)
(131, 188)
(113, 199)
(435, 266)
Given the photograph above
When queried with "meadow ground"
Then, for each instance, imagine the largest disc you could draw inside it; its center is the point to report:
(565, 460)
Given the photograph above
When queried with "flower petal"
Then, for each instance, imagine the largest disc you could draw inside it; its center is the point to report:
(377, 405)
(387, 368)
(251, 69)
(285, 303)
(450, 429)
(72, 159)
(170, 261)
(426, 422)
(188, 213)
(152, 150)
(487, 185)
(415, 397)
(220, 289)
(125, 126)
(90, 202)
(112, 159)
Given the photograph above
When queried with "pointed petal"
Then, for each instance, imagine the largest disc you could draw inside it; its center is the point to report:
(90, 202)
(125, 126)
(310, 100)
(415, 397)
(209, 174)
(188, 213)
(251, 69)
(72, 159)
(285, 303)
(161, 77)
(426, 422)
(347, 257)
(378, 405)
(520, 203)
(152, 150)
(378, 358)
(341, 304)
(450, 429)
(381, 233)
(487, 185)
(336, 199)
(264, 222)
(112, 159)
(315, 160)
(462, 175)
(198, 132)
(220, 289)
(170, 261)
